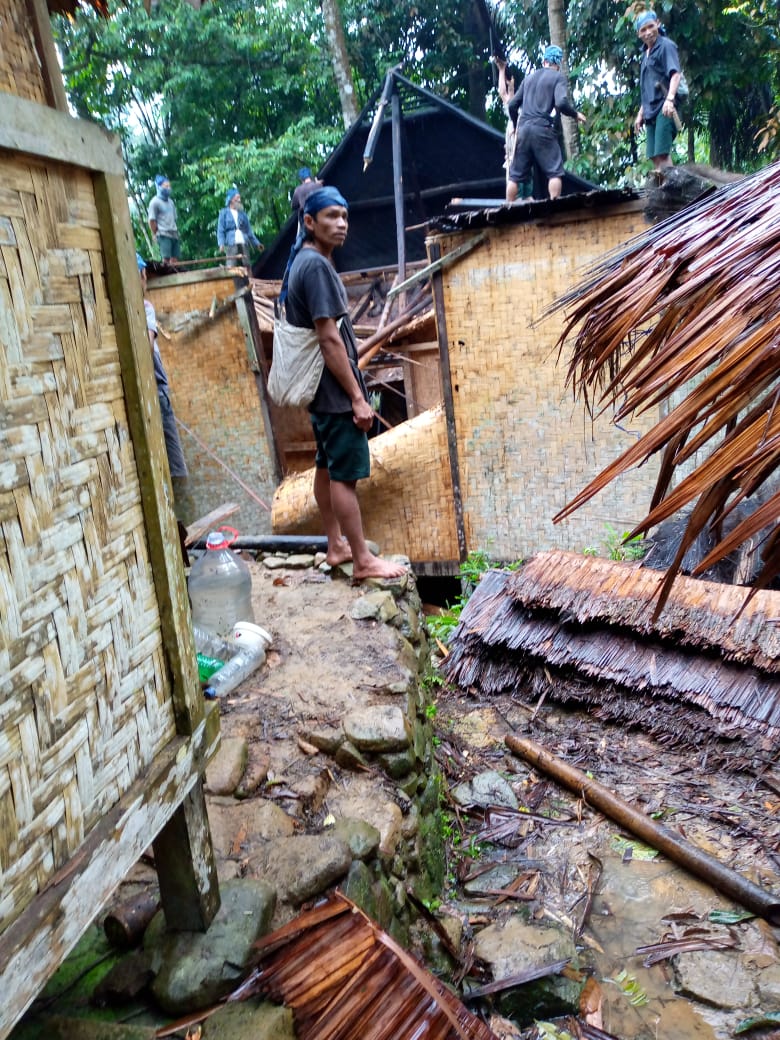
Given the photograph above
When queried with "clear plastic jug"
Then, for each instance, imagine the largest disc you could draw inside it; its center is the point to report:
(220, 586)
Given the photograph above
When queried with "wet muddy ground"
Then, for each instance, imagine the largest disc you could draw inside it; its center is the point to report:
(556, 861)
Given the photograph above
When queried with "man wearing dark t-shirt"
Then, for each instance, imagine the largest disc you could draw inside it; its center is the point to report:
(659, 81)
(315, 298)
(540, 92)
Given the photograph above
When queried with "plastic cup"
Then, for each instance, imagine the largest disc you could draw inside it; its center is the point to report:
(249, 635)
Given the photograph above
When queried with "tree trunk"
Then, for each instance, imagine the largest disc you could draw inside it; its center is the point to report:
(556, 16)
(337, 47)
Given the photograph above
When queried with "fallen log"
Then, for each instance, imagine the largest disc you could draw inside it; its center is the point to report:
(684, 853)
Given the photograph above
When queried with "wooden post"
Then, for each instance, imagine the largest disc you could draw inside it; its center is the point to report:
(434, 251)
(398, 188)
(187, 869)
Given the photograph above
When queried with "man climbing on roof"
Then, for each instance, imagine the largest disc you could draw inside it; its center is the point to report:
(540, 92)
(315, 298)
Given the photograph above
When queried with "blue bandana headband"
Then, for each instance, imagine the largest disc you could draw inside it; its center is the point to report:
(553, 55)
(319, 199)
(160, 179)
(322, 197)
(231, 194)
(644, 18)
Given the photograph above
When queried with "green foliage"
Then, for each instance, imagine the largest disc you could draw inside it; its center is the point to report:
(442, 626)
(549, 1031)
(238, 92)
(619, 546)
(630, 987)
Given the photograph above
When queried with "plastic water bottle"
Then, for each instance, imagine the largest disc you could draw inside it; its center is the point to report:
(211, 652)
(220, 586)
(250, 643)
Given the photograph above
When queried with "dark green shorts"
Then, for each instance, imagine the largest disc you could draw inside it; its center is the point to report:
(342, 448)
(661, 133)
(170, 248)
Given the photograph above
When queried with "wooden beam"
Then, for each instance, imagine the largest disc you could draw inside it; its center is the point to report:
(41, 937)
(45, 133)
(187, 869)
(438, 265)
(47, 54)
(434, 251)
(145, 422)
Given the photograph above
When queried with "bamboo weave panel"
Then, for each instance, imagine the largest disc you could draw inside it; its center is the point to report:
(524, 446)
(214, 392)
(84, 691)
(20, 71)
(406, 504)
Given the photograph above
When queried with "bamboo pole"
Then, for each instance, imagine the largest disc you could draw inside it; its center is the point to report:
(685, 854)
(368, 348)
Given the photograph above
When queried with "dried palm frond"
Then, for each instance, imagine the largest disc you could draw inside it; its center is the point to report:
(688, 315)
(343, 977)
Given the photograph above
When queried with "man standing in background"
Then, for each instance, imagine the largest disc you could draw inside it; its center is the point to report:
(659, 79)
(162, 220)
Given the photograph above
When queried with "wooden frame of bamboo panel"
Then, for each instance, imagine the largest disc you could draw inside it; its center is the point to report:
(164, 805)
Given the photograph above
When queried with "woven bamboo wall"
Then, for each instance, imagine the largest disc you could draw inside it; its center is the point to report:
(20, 66)
(214, 392)
(84, 687)
(524, 449)
(407, 501)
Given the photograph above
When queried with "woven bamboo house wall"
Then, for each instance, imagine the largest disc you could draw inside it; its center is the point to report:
(103, 732)
(519, 447)
(208, 337)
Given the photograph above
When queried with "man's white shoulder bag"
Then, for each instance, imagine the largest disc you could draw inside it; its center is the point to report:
(297, 364)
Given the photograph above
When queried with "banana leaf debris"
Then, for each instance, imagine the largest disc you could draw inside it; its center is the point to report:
(578, 630)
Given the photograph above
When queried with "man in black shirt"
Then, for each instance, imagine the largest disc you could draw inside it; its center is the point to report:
(315, 298)
(539, 93)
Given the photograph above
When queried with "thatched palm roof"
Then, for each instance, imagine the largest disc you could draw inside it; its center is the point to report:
(688, 316)
(576, 629)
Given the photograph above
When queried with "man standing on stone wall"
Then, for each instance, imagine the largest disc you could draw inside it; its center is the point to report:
(315, 298)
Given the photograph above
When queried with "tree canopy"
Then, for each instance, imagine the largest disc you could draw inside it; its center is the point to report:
(243, 92)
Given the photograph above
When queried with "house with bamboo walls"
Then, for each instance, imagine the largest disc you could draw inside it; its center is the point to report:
(104, 733)
(211, 345)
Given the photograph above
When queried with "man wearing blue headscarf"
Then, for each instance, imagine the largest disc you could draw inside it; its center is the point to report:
(308, 184)
(540, 92)
(315, 298)
(162, 220)
(234, 234)
(659, 80)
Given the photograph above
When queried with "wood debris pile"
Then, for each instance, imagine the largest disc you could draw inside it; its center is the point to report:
(579, 629)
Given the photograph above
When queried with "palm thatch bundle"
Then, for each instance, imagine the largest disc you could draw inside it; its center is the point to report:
(687, 316)
(344, 978)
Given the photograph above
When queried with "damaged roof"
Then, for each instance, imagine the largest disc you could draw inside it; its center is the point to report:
(344, 977)
(475, 213)
(580, 629)
(446, 153)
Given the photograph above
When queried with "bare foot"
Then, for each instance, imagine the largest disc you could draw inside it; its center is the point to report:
(376, 567)
(339, 553)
